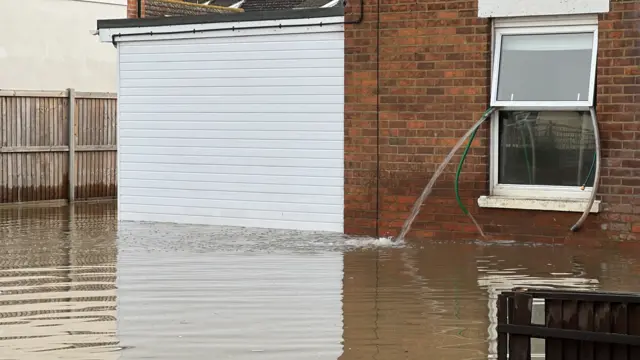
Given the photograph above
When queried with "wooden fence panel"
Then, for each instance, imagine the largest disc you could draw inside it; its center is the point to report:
(34, 145)
(578, 325)
(96, 148)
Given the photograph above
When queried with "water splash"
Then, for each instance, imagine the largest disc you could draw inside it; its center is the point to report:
(427, 190)
(387, 242)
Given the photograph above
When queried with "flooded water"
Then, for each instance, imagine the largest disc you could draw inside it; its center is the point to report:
(75, 284)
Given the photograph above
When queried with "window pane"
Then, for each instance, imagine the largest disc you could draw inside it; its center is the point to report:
(546, 148)
(549, 67)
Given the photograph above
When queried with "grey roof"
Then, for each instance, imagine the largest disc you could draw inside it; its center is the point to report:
(248, 5)
(269, 5)
(221, 18)
(213, 2)
(224, 2)
(311, 4)
(158, 8)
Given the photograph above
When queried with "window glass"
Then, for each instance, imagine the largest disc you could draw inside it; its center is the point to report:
(546, 148)
(547, 67)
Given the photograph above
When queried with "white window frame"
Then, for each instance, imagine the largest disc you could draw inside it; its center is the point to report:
(536, 25)
(549, 192)
(542, 27)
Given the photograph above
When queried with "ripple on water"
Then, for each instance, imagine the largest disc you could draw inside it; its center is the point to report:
(162, 237)
(53, 313)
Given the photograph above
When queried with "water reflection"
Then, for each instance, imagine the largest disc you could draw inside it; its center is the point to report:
(195, 292)
(201, 304)
(57, 283)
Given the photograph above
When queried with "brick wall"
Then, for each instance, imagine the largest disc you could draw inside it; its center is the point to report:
(132, 8)
(433, 81)
(360, 121)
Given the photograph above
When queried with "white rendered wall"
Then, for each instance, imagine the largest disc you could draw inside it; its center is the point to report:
(48, 45)
(512, 8)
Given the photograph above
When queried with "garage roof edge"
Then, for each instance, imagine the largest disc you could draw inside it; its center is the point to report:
(223, 18)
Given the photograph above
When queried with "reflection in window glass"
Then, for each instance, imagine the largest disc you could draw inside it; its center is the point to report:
(546, 148)
(548, 67)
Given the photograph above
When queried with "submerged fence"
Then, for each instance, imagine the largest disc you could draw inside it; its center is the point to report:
(578, 325)
(37, 160)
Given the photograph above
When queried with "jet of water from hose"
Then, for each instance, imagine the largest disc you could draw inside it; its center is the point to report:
(427, 190)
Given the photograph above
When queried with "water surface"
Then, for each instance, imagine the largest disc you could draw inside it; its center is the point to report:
(75, 284)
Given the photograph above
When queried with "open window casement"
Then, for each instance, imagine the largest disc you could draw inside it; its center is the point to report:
(537, 65)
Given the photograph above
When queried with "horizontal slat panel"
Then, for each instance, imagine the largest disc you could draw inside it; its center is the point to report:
(242, 161)
(231, 213)
(235, 169)
(255, 126)
(237, 117)
(232, 195)
(211, 134)
(217, 186)
(253, 56)
(234, 99)
(293, 42)
(236, 108)
(233, 73)
(238, 143)
(232, 91)
(298, 41)
(234, 178)
(171, 65)
(234, 131)
(156, 149)
(154, 216)
(248, 205)
(242, 82)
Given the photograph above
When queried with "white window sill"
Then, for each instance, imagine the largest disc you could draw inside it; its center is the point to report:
(503, 202)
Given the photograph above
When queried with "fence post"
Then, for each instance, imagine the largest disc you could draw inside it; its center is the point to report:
(503, 319)
(520, 345)
(72, 144)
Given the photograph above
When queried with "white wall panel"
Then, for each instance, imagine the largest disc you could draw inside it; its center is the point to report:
(239, 130)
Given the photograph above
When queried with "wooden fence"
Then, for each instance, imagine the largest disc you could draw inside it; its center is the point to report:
(37, 160)
(579, 325)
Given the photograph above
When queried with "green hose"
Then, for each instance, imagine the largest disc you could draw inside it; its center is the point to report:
(593, 164)
(456, 185)
(462, 159)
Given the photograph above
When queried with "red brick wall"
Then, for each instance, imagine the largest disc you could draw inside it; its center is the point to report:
(433, 85)
(360, 121)
(132, 8)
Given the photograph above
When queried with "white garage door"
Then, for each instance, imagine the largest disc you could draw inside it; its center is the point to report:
(240, 131)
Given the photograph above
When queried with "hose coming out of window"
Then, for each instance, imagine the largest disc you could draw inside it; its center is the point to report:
(471, 133)
(427, 190)
(596, 177)
(596, 164)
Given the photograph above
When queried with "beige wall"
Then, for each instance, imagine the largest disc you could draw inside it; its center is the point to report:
(48, 45)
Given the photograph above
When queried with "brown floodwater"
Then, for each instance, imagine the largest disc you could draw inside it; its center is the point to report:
(75, 284)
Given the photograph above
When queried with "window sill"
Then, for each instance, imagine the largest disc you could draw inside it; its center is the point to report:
(502, 202)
